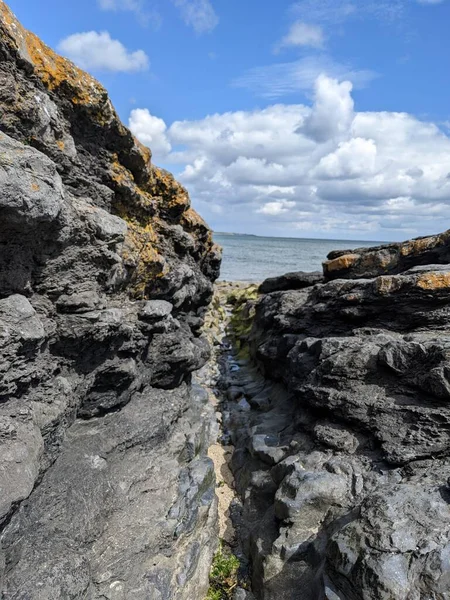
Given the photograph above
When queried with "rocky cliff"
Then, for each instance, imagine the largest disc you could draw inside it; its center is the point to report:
(105, 274)
(343, 461)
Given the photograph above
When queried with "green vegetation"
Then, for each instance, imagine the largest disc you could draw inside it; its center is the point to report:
(241, 322)
(224, 575)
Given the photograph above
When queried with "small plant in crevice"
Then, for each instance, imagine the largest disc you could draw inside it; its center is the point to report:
(223, 577)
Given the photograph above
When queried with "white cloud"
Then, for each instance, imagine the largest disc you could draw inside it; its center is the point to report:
(276, 208)
(99, 52)
(352, 159)
(430, 1)
(302, 34)
(275, 81)
(332, 111)
(376, 174)
(144, 13)
(151, 131)
(336, 12)
(132, 5)
(198, 14)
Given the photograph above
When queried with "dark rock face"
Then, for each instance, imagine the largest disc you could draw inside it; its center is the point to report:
(105, 275)
(290, 281)
(344, 461)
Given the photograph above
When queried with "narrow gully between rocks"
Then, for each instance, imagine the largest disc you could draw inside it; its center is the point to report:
(238, 392)
(224, 377)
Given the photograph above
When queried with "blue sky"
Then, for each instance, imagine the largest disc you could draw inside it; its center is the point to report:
(316, 118)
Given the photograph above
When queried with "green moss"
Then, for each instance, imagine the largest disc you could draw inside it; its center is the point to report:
(241, 322)
(224, 575)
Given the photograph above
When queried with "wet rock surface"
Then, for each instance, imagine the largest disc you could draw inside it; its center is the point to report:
(339, 417)
(105, 275)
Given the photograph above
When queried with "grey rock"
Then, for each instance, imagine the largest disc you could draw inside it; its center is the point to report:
(105, 275)
(155, 310)
(115, 493)
(19, 319)
(291, 281)
(31, 190)
(241, 594)
(358, 448)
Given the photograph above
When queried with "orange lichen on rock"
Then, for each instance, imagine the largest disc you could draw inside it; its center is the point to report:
(140, 253)
(119, 173)
(341, 263)
(145, 152)
(434, 281)
(414, 247)
(170, 195)
(193, 219)
(54, 70)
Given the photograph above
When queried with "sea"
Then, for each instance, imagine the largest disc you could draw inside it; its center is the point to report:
(254, 258)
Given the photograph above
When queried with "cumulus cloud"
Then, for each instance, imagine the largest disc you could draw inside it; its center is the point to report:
(198, 14)
(151, 131)
(302, 34)
(282, 170)
(430, 1)
(99, 52)
(353, 159)
(332, 112)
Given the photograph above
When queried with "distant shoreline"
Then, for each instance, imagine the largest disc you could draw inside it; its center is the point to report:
(274, 237)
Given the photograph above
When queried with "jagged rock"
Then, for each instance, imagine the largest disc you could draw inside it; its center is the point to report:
(387, 259)
(357, 447)
(105, 275)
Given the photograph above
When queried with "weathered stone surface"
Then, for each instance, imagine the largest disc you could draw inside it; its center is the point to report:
(344, 474)
(391, 258)
(119, 503)
(105, 275)
(290, 281)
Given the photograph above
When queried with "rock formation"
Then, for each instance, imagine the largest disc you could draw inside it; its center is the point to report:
(343, 463)
(105, 274)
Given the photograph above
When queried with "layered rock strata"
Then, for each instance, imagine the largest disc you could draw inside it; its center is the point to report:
(343, 461)
(105, 275)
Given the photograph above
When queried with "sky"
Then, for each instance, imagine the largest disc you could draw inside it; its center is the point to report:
(308, 118)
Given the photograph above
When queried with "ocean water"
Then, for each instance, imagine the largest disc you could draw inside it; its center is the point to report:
(254, 258)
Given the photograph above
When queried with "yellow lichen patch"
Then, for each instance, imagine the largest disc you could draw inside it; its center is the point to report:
(145, 152)
(415, 247)
(434, 281)
(119, 173)
(35, 187)
(142, 206)
(54, 70)
(192, 222)
(141, 254)
(61, 145)
(169, 194)
(339, 264)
